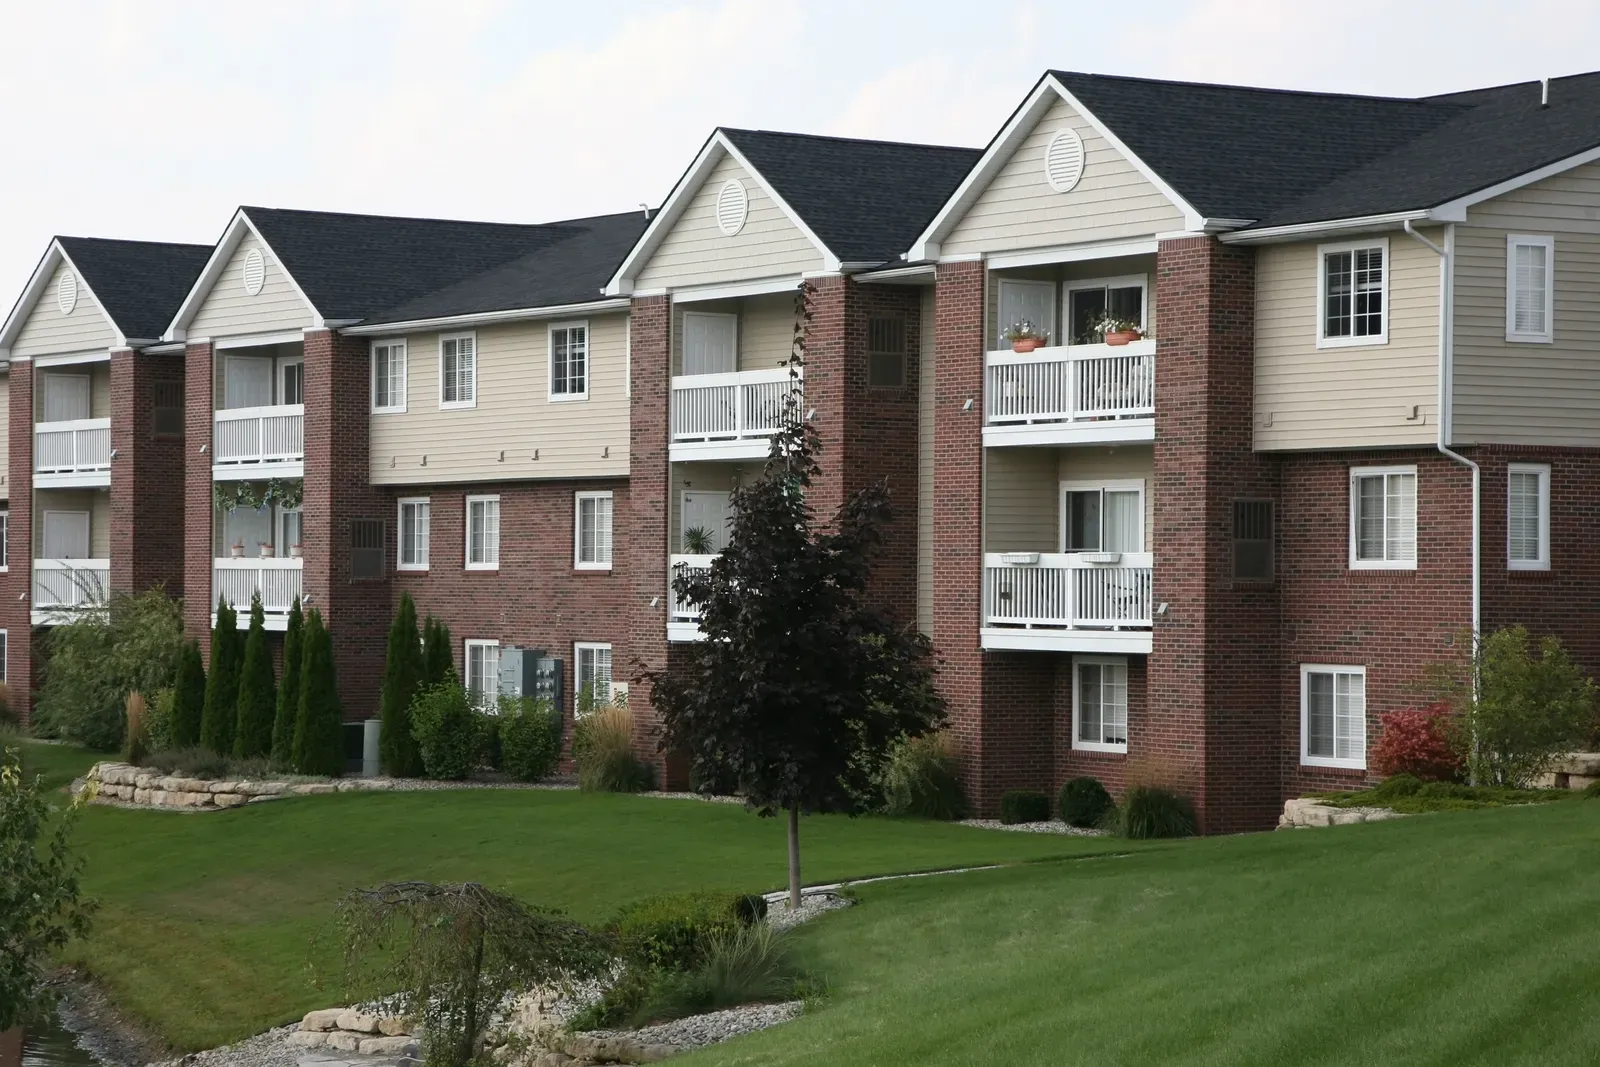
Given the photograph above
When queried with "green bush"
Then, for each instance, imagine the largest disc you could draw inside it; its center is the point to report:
(1148, 811)
(1084, 802)
(1592, 790)
(921, 778)
(438, 663)
(319, 726)
(674, 932)
(1398, 785)
(751, 908)
(222, 683)
(602, 748)
(446, 729)
(621, 1002)
(403, 675)
(747, 965)
(158, 721)
(530, 738)
(195, 761)
(258, 696)
(1024, 805)
(7, 716)
(188, 697)
(288, 710)
(487, 753)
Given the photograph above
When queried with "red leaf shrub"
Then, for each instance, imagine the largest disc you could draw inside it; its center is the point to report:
(1415, 742)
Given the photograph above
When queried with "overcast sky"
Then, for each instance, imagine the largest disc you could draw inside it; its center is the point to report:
(151, 119)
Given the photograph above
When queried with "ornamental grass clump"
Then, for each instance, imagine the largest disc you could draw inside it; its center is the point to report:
(1150, 811)
(602, 748)
(921, 779)
(747, 965)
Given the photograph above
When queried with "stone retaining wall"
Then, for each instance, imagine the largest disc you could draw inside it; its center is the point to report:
(1576, 771)
(1306, 812)
(127, 784)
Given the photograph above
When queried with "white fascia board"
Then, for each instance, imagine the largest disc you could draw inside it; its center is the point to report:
(912, 274)
(1073, 253)
(53, 257)
(487, 318)
(67, 359)
(1324, 228)
(734, 290)
(237, 227)
(1456, 210)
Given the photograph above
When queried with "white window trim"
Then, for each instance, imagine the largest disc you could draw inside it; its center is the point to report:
(578, 648)
(400, 533)
(1371, 340)
(405, 371)
(466, 526)
(1543, 562)
(550, 360)
(5, 543)
(452, 405)
(1077, 741)
(1126, 281)
(466, 661)
(1308, 760)
(577, 530)
(1114, 485)
(1416, 510)
(5, 656)
(1547, 335)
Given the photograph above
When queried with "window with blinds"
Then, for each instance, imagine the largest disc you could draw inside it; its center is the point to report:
(1253, 540)
(569, 361)
(1354, 290)
(592, 537)
(413, 522)
(483, 533)
(1530, 288)
(1528, 517)
(389, 376)
(1333, 716)
(1383, 518)
(458, 371)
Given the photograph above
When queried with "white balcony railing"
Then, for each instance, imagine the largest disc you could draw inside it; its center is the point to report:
(1109, 590)
(80, 446)
(71, 583)
(259, 435)
(1079, 383)
(683, 612)
(237, 580)
(741, 406)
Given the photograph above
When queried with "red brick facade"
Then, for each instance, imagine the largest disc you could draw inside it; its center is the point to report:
(147, 493)
(199, 548)
(16, 585)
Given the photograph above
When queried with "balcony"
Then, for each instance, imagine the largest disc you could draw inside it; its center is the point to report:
(1067, 602)
(1078, 394)
(237, 579)
(727, 416)
(683, 619)
(73, 453)
(261, 442)
(62, 586)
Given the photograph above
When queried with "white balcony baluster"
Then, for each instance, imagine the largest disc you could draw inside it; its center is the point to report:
(692, 565)
(237, 580)
(1082, 383)
(71, 583)
(75, 447)
(1066, 591)
(259, 435)
(742, 406)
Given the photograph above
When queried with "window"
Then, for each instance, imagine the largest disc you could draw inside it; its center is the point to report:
(5, 539)
(569, 361)
(66, 535)
(710, 343)
(413, 534)
(5, 642)
(292, 381)
(592, 539)
(1252, 540)
(594, 674)
(1100, 704)
(367, 555)
(1528, 517)
(246, 382)
(1354, 294)
(1383, 518)
(1102, 518)
(290, 529)
(1090, 302)
(458, 371)
(1029, 301)
(1333, 716)
(66, 396)
(483, 533)
(388, 376)
(166, 415)
(886, 353)
(482, 659)
(1530, 288)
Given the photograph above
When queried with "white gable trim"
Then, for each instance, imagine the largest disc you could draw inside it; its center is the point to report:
(54, 256)
(667, 216)
(1005, 145)
(238, 226)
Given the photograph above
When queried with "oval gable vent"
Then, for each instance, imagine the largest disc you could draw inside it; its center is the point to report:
(1063, 160)
(67, 292)
(733, 207)
(255, 271)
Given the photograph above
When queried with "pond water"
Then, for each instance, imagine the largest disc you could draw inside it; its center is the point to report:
(46, 1045)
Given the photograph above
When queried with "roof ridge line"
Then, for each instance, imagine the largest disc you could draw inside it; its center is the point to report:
(849, 140)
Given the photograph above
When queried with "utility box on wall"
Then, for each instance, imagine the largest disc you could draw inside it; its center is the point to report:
(530, 672)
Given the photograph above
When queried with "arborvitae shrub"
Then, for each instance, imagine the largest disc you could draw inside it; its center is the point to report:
(403, 675)
(1084, 802)
(438, 664)
(288, 710)
(222, 683)
(1024, 805)
(258, 697)
(188, 698)
(318, 735)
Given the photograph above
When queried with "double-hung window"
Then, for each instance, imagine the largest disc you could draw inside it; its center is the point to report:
(388, 376)
(1383, 518)
(483, 533)
(1528, 517)
(5, 539)
(592, 536)
(413, 534)
(1100, 704)
(1333, 716)
(482, 659)
(1530, 288)
(594, 674)
(1353, 289)
(1092, 304)
(569, 361)
(458, 371)
(1102, 518)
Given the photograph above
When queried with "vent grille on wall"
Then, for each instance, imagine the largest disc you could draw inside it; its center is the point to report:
(367, 557)
(255, 271)
(1063, 160)
(167, 416)
(733, 207)
(67, 292)
(886, 353)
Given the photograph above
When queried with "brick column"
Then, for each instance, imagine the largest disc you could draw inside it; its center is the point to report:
(147, 477)
(1213, 727)
(16, 585)
(199, 394)
(338, 490)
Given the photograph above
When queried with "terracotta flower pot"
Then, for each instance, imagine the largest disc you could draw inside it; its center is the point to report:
(1122, 337)
(295, 551)
(266, 552)
(236, 551)
(1026, 344)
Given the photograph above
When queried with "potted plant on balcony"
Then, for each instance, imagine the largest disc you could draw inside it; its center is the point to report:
(236, 550)
(1119, 331)
(697, 541)
(295, 550)
(266, 549)
(1024, 336)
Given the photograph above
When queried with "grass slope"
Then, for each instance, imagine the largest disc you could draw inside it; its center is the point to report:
(206, 921)
(1444, 939)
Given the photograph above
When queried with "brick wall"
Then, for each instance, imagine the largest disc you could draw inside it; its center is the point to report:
(1111, 768)
(16, 585)
(147, 477)
(198, 547)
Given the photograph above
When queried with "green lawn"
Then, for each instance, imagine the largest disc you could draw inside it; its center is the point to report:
(1467, 938)
(58, 765)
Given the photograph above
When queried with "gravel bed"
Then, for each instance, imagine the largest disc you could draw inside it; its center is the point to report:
(779, 917)
(711, 1028)
(1051, 826)
(269, 1049)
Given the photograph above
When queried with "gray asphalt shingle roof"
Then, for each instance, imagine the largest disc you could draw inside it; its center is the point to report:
(140, 283)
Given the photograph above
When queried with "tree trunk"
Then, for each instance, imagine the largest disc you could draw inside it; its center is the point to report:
(794, 855)
(468, 1049)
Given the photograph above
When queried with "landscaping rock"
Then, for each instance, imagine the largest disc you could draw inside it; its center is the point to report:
(1308, 812)
(391, 1025)
(308, 1038)
(229, 800)
(310, 789)
(388, 1046)
(344, 1041)
(263, 798)
(363, 1022)
(323, 1019)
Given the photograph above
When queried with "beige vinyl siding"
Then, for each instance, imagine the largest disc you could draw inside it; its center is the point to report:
(514, 413)
(1519, 392)
(97, 502)
(710, 477)
(1020, 500)
(1351, 397)
(1020, 210)
(696, 252)
(99, 375)
(47, 331)
(5, 432)
(925, 464)
(765, 330)
(228, 310)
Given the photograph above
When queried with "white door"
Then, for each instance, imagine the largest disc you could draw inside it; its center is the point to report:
(248, 383)
(710, 343)
(1033, 301)
(706, 510)
(66, 535)
(66, 397)
(292, 382)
